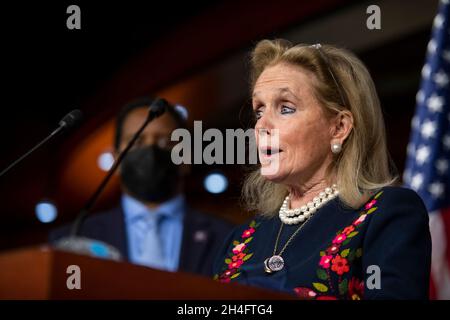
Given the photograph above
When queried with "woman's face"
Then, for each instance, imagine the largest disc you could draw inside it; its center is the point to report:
(283, 102)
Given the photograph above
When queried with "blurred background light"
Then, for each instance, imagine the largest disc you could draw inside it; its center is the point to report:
(46, 211)
(105, 161)
(182, 111)
(215, 183)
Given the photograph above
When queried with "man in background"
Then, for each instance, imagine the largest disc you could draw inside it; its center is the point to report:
(152, 225)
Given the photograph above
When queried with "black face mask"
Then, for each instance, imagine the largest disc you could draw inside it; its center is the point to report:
(149, 174)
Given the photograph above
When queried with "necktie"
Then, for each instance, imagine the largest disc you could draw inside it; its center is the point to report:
(150, 249)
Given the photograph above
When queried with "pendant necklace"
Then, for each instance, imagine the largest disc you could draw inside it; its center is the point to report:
(293, 216)
(276, 262)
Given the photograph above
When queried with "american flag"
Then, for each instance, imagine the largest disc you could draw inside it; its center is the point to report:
(427, 167)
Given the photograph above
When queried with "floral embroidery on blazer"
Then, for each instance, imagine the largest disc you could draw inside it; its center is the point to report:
(330, 258)
(238, 255)
(335, 261)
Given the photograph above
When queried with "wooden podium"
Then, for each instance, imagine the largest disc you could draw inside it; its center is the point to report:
(41, 273)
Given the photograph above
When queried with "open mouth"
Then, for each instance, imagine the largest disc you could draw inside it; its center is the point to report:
(268, 151)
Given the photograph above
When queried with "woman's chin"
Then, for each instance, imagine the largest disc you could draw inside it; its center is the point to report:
(275, 177)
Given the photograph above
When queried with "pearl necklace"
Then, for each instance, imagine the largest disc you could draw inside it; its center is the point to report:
(297, 215)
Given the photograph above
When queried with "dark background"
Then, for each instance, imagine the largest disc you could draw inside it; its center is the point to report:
(193, 53)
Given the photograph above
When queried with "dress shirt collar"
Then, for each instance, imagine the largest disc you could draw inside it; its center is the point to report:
(172, 208)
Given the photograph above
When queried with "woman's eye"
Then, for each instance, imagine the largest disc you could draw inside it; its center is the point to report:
(287, 110)
(258, 114)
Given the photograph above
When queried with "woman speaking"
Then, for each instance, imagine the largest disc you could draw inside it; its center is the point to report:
(330, 223)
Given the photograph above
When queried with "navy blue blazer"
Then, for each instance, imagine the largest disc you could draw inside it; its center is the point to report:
(380, 251)
(202, 236)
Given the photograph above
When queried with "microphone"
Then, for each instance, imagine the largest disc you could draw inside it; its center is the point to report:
(84, 245)
(69, 121)
(158, 107)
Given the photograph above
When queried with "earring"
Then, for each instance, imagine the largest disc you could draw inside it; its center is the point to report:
(336, 147)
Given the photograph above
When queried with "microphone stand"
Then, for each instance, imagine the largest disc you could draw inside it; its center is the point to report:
(30, 151)
(76, 243)
(68, 121)
(89, 204)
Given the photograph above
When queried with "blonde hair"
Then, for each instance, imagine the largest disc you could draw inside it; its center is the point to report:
(363, 166)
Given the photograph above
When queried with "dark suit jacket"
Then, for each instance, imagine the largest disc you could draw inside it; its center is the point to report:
(340, 252)
(202, 236)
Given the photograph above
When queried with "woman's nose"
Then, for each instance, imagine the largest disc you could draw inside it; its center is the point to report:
(264, 126)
